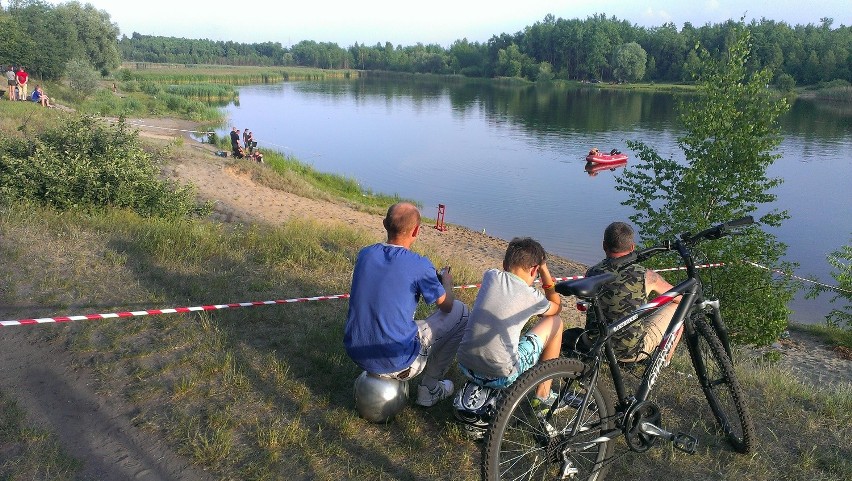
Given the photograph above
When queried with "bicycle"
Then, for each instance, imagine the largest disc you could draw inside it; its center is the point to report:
(575, 439)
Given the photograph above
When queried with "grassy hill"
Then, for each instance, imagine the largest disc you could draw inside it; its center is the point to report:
(266, 392)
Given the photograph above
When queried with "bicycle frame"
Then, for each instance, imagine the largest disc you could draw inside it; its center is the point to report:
(573, 438)
(691, 293)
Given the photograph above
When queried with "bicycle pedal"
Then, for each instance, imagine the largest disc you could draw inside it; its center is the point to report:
(685, 443)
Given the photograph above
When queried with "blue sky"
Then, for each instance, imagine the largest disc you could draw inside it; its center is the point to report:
(431, 21)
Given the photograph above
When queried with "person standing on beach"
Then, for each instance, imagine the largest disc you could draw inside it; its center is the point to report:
(381, 335)
(249, 141)
(235, 138)
(235, 143)
(11, 81)
(22, 76)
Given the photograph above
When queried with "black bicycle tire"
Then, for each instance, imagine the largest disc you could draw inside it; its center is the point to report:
(720, 386)
(514, 411)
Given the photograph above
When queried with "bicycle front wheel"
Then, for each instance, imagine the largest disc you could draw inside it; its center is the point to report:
(721, 388)
(525, 442)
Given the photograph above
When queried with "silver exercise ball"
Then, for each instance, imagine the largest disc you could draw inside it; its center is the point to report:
(378, 399)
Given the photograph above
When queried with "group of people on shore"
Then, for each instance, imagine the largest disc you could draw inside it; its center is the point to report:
(248, 147)
(382, 336)
(17, 80)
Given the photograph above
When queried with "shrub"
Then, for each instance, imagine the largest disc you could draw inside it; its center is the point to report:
(786, 82)
(86, 164)
(82, 77)
(150, 88)
(130, 86)
(841, 260)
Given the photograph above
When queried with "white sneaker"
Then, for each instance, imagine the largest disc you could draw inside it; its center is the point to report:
(429, 397)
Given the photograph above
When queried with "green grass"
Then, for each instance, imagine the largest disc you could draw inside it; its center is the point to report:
(222, 74)
(159, 103)
(206, 92)
(650, 87)
(257, 393)
(266, 392)
(834, 336)
(28, 453)
(24, 119)
(287, 173)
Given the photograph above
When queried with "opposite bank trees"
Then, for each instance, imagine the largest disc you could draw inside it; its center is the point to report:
(731, 130)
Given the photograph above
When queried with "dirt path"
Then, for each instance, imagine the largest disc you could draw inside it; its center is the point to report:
(98, 428)
(95, 428)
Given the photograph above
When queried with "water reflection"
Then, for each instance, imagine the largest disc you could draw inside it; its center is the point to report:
(594, 168)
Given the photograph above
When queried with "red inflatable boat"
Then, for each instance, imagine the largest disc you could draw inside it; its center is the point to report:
(614, 157)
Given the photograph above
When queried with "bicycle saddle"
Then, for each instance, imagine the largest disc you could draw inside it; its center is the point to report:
(584, 288)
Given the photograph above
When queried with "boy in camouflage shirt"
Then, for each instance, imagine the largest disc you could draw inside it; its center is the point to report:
(631, 288)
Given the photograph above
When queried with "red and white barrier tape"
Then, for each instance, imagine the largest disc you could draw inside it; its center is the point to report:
(682, 268)
(214, 307)
(793, 276)
(176, 310)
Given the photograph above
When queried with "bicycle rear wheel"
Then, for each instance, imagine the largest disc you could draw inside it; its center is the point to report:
(524, 443)
(721, 388)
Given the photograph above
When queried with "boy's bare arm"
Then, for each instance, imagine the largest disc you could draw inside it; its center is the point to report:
(547, 284)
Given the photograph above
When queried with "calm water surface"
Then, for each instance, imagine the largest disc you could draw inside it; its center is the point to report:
(509, 160)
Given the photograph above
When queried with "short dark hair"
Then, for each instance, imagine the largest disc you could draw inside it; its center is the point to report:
(618, 237)
(523, 252)
(401, 218)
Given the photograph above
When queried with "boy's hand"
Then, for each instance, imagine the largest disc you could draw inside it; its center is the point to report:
(444, 276)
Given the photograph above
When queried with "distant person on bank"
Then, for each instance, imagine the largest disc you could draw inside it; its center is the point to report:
(11, 82)
(22, 77)
(235, 138)
(40, 97)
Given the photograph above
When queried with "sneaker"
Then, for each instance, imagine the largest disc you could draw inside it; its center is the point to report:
(429, 397)
(572, 400)
(540, 404)
(569, 400)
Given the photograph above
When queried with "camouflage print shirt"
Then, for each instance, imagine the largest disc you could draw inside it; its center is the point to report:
(618, 298)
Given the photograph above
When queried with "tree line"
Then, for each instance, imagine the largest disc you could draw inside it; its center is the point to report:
(598, 48)
(45, 38)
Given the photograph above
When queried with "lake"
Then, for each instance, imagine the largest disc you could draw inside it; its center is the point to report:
(508, 160)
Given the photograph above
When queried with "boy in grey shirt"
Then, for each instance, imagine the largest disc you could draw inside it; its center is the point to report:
(492, 352)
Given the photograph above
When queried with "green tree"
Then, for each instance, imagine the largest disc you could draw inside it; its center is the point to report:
(511, 62)
(630, 62)
(96, 37)
(545, 72)
(786, 83)
(467, 58)
(731, 130)
(841, 260)
(82, 77)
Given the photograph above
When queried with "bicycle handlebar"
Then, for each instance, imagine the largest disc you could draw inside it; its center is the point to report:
(715, 232)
